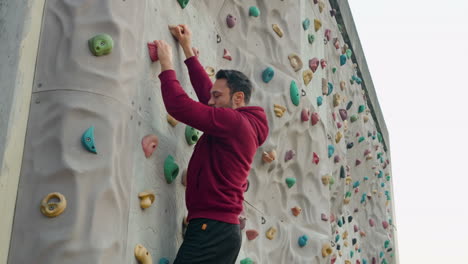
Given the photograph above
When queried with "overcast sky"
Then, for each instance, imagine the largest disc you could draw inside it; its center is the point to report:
(417, 52)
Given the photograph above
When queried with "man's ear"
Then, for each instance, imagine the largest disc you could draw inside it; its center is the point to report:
(238, 97)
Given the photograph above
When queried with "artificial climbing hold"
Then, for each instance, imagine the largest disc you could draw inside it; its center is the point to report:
(306, 24)
(327, 34)
(231, 21)
(294, 92)
(326, 179)
(324, 86)
(324, 217)
(313, 64)
(53, 208)
(321, 5)
(361, 139)
(343, 114)
(227, 55)
(342, 60)
(336, 43)
(354, 118)
(254, 11)
(218, 38)
(101, 44)
(326, 250)
(307, 75)
(88, 140)
(311, 38)
(290, 182)
(319, 100)
(371, 222)
(270, 234)
(247, 261)
(142, 255)
(163, 261)
(385, 224)
(183, 3)
(171, 169)
(315, 118)
(289, 155)
(171, 120)
(336, 100)
(277, 30)
(191, 135)
(331, 150)
(342, 85)
(365, 118)
(153, 51)
(305, 113)
(146, 199)
(334, 69)
(333, 12)
(323, 63)
(316, 158)
(348, 106)
(268, 74)
(251, 234)
(330, 88)
(358, 162)
(279, 110)
(210, 71)
(317, 24)
(269, 156)
(295, 62)
(342, 172)
(296, 210)
(302, 241)
(338, 136)
(349, 53)
(149, 144)
(361, 108)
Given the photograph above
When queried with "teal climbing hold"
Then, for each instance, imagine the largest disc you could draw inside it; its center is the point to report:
(254, 11)
(363, 198)
(247, 261)
(364, 261)
(330, 88)
(334, 69)
(361, 108)
(319, 100)
(295, 97)
(387, 177)
(268, 74)
(290, 182)
(381, 174)
(163, 261)
(379, 136)
(381, 254)
(356, 184)
(88, 140)
(171, 169)
(337, 237)
(382, 184)
(366, 178)
(354, 118)
(351, 254)
(348, 106)
(191, 135)
(101, 44)
(342, 172)
(351, 81)
(384, 261)
(311, 38)
(342, 59)
(183, 3)
(302, 241)
(349, 53)
(331, 150)
(361, 139)
(379, 155)
(306, 24)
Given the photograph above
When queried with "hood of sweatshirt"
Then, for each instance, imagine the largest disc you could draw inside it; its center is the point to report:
(258, 120)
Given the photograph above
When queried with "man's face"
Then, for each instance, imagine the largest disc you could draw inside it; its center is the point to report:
(220, 94)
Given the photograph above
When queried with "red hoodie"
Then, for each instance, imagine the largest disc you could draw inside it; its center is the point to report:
(217, 172)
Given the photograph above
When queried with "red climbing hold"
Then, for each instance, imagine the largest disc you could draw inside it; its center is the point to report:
(153, 51)
(305, 115)
(323, 63)
(149, 144)
(385, 224)
(315, 118)
(316, 158)
(251, 234)
(227, 55)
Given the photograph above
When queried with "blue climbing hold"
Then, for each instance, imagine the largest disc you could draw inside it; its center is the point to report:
(311, 38)
(268, 74)
(342, 60)
(364, 261)
(88, 140)
(294, 92)
(163, 261)
(319, 100)
(303, 241)
(306, 24)
(331, 150)
(380, 174)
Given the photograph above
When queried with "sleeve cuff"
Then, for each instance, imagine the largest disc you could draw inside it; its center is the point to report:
(191, 61)
(167, 75)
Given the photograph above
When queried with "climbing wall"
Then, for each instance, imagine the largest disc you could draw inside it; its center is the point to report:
(103, 169)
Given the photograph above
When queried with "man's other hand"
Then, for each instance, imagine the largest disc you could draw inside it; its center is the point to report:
(164, 55)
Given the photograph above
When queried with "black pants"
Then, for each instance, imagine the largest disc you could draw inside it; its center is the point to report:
(219, 243)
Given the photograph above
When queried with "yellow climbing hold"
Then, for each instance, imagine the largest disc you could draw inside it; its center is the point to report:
(210, 71)
(171, 120)
(295, 62)
(146, 199)
(336, 99)
(326, 250)
(279, 110)
(338, 136)
(142, 255)
(270, 234)
(278, 30)
(317, 24)
(307, 75)
(53, 209)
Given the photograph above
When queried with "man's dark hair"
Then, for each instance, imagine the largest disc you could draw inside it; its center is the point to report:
(237, 82)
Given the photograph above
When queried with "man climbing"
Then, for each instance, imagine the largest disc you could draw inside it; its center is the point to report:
(220, 163)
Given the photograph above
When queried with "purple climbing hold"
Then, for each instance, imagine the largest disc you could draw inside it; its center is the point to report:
(231, 21)
(336, 159)
(327, 34)
(358, 162)
(289, 155)
(333, 12)
(343, 114)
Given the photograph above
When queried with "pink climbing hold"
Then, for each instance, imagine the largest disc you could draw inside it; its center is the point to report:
(338, 124)
(333, 259)
(251, 234)
(356, 228)
(374, 261)
(343, 114)
(358, 162)
(323, 63)
(289, 155)
(316, 158)
(313, 64)
(305, 115)
(315, 1)
(336, 159)
(356, 190)
(371, 222)
(149, 144)
(315, 118)
(385, 224)
(332, 218)
(242, 221)
(231, 21)
(328, 34)
(153, 51)
(367, 152)
(334, 116)
(358, 134)
(336, 42)
(324, 217)
(227, 55)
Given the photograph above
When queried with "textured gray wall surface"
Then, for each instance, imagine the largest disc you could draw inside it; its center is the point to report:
(119, 95)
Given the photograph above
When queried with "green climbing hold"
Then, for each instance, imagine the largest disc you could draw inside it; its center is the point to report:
(88, 140)
(295, 97)
(342, 59)
(387, 177)
(100, 44)
(342, 172)
(348, 194)
(183, 3)
(382, 255)
(254, 11)
(351, 254)
(334, 69)
(330, 88)
(247, 261)
(361, 108)
(171, 169)
(366, 178)
(361, 139)
(384, 261)
(268, 74)
(331, 181)
(191, 135)
(331, 150)
(290, 182)
(354, 118)
(306, 24)
(379, 136)
(349, 53)
(311, 38)
(319, 100)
